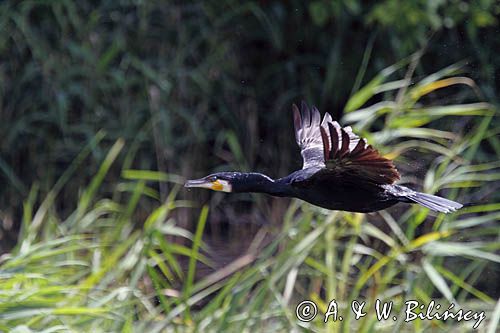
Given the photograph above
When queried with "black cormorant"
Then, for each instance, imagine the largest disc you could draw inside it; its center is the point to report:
(340, 172)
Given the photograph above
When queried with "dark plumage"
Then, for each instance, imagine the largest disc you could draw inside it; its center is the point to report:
(340, 172)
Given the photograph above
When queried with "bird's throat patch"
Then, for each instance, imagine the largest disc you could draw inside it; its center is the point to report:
(217, 186)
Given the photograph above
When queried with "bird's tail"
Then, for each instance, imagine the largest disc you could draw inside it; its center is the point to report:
(433, 202)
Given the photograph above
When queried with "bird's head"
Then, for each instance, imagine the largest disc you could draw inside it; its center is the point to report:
(221, 181)
(232, 182)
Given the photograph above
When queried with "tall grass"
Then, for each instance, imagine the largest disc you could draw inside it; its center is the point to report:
(104, 268)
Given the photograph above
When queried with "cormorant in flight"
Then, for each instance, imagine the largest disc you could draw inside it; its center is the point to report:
(340, 172)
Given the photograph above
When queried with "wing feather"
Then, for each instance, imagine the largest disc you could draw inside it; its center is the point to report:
(337, 150)
(344, 150)
(355, 158)
(334, 139)
(307, 124)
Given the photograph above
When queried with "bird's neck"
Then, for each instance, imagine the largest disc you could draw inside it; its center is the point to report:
(260, 183)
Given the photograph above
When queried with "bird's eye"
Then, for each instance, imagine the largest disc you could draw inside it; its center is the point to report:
(212, 178)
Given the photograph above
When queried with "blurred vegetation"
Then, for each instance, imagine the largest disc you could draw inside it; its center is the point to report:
(106, 106)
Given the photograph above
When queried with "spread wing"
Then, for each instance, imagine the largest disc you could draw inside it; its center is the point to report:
(308, 135)
(337, 150)
(347, 154)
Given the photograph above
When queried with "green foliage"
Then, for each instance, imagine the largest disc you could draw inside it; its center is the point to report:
(412, 22)
(97, 271)
(154, 91)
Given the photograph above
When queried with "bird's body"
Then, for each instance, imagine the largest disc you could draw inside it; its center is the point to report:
(340, 172)
(343, 194)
